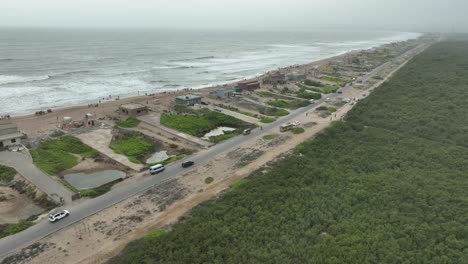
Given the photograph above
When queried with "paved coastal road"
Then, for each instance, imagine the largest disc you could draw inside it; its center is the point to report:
(90, 207)
(23, 164)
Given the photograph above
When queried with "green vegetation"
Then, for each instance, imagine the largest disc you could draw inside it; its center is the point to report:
(209, 180)
(298, 130)
(313, 83)
(134, 147)
(287, 104)
(270, 94)
(334, 79)
(11, 229)
(268, 137)
(95, 192)
(330, 89)
(387, 186)
(268, 120)
(308, 95)
(55, 155)
(201, 122)
(155, 234)
(6, 174)
(169, 160)
(220, 138)
(273, 111)
(129, 122)
(238, 184)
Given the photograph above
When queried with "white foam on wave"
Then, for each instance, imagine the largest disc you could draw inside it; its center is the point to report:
(8, 79)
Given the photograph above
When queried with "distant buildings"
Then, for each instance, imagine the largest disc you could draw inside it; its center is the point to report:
(249, 85)
(327, 68)
(9, 134)
(133, 109)
(296, 76)
(189, 99)
(274, 78)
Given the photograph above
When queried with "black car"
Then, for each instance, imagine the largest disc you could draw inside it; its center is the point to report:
(186, 164)
(204, 103)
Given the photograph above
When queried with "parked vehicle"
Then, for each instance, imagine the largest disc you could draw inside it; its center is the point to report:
(312, 101)
(246, 131)
(58, 215)
(187, 164)
(285, 127)
(328, 99)
(296, 123)
(204, 103)
(156, 168)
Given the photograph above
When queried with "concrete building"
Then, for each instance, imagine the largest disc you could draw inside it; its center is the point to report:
(296, 76)
(275, 78)
(249, 85)
(133, 109)
(9, 134)
(189, 99)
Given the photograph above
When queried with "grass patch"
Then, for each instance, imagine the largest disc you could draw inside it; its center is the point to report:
(6, 174)
(134, 147)
(98, 191)
(155, 234)
(11, 229)
(54, 155)
(268, 120)
(313, 83)
(200, 123)
(329, 89)
(220, 138)
(334, 79)
(308, 95)
(288, 104)
(209, 180)
(298, 130)
(129, 122)
(268, 137)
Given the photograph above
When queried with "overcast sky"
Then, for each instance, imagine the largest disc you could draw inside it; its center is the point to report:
(404, 15)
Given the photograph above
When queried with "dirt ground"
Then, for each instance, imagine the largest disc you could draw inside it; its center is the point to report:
(16, 206)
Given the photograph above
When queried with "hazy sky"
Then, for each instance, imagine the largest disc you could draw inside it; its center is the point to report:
(415, 15)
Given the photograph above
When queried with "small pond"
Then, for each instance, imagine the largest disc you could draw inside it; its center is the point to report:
(83, 181)
(217, 132)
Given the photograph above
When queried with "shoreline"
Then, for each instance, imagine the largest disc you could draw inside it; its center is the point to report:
(37, 125)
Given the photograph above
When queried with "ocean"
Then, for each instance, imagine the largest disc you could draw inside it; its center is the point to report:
(50, 68)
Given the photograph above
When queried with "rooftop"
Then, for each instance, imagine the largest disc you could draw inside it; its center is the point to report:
(132, 106)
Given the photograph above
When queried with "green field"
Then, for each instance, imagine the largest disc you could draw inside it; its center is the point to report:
(334, 79)
(288, 104)
(378, 188)
(134, 147)
(55, 155)
(200, 122)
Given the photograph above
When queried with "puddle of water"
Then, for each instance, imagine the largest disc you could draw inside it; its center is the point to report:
(158, 157)
(217, 132)
(83, 181)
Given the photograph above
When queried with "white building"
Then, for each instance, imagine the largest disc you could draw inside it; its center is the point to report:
(9, 135)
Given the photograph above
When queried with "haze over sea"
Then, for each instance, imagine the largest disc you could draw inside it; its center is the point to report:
(49, 68)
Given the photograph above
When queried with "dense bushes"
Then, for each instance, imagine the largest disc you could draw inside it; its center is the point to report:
(55, 155)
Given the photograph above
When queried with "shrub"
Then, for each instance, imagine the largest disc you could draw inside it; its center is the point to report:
(129, 122)
(6, 174)
(15, 228)
(209, 180)
(268, 120)
(238, 184)
(313, 83)
(298, 130)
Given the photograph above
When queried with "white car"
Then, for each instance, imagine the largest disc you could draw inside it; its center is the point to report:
(328, 99)
(58, 215)
(296, 123)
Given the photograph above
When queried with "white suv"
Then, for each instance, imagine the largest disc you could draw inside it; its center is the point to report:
(58, 215)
